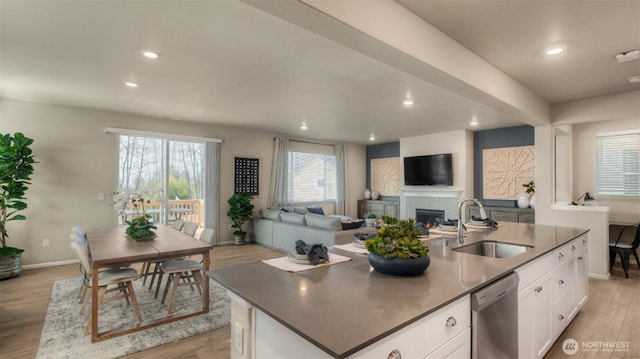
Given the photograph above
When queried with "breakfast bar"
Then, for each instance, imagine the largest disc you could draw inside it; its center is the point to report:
(348, 309)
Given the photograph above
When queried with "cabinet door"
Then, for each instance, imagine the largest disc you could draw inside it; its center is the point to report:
(582, 278)
(457, 348)
(542, 331)
(534, 318)
(407, 342)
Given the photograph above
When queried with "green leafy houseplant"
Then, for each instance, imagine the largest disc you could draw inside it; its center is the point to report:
(370, 216)
(16, 168)
(399, 240)
(140, 227)
(240, 210)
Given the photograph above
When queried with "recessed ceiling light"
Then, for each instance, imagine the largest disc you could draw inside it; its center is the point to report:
(372, 137)
(130, 84)
(474, 122)
(634, 79)
(304, 126)
(150, 54)
(408, 102)
(555, 50)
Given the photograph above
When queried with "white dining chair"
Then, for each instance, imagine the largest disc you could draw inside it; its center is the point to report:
(183, 269)
(177, 224)
(190, 228)
(120, 277)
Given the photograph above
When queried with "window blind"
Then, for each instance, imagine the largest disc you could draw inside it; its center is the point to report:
(618, 163)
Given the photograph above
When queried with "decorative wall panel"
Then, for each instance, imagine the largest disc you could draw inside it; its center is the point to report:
(247, 175)
(385, 176)
(504, 170)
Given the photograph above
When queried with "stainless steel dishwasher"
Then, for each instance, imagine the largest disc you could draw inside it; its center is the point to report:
(494, 319)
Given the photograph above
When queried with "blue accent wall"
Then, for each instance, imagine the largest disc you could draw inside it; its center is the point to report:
(383, 150)
(498, 138)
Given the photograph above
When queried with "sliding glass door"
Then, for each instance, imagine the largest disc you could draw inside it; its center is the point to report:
(171, 174)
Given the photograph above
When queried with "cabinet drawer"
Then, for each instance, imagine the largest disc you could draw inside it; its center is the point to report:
(407, 341)
(376, 207)
(559, 320)
(564, 253)
(504, 216)
(444, 324)
(531, 271)
(560, 282)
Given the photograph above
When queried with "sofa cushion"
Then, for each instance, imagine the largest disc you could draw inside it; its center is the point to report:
(300, 210)
(292, 218)
(273, 214)
(287, 209)
(321, 222)
(315, 209)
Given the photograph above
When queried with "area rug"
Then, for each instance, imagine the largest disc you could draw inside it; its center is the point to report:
(63, 331)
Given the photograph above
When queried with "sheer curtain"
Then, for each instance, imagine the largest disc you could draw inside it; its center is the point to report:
(278, 187)
(340, 153)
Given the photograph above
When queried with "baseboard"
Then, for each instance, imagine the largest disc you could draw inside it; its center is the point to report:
(50, 264)
(599, 276)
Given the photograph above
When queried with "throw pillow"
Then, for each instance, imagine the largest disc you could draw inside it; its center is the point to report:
(321, 222)
(300, 210)
(316, 210)
(292, 218)
(273, 214)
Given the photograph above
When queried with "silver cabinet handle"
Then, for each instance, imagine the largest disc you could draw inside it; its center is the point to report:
(560, 282)
(538, 289)
(580, 258)
(573, 248)
(451, 322)
(584, 241)
(560, 255)
(561, 317)
(395, 354)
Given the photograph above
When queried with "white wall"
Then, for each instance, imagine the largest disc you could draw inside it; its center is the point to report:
(77, 160)
(458, 143)
(623, 209)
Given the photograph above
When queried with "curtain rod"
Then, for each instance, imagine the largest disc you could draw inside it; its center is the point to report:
(315, 142)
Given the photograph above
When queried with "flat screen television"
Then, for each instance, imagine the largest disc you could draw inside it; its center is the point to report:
(431, 170)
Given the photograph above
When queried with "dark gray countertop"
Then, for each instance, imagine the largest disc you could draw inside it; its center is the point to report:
(345, 307)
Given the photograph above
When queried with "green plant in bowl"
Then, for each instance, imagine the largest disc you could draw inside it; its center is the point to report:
(399, 240)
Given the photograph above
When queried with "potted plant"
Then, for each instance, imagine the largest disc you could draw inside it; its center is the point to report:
(140, 227)
(16, 168)
(397, 250)
(240, 210)
(370, 218)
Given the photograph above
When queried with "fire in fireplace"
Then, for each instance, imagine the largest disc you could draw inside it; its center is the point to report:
(430, 217)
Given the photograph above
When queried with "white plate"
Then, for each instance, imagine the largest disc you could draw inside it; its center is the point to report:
(359, 244)
(448, 228)
(301, 261)
(294, 254)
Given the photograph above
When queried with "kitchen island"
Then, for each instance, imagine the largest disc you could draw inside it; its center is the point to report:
(346, 308)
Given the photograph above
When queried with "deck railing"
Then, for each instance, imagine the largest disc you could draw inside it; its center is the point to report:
(189, 210)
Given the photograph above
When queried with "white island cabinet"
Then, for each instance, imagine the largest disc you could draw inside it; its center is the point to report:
(552, 290)
(444, 333)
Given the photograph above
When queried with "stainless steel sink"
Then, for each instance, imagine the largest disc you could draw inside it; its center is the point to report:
(493, 249)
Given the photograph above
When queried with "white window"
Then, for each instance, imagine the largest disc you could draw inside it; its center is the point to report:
(618, 163)
(311, 173)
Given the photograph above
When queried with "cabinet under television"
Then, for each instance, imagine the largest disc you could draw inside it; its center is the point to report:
(379, 208)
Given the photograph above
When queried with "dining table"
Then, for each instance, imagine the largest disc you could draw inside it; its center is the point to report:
(112, 247)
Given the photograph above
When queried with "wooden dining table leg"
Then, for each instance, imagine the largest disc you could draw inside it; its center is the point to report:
(94, 304)
(205, 281)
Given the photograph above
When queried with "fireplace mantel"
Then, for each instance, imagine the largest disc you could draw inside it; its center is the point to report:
(445, 192)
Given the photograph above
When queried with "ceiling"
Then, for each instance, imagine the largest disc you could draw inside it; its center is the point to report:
(226, 62)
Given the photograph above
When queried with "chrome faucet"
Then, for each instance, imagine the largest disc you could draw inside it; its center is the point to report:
(483, 214)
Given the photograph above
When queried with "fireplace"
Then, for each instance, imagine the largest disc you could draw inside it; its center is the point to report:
(430, 217)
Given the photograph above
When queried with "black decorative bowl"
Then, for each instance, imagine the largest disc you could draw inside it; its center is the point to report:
(399, 266)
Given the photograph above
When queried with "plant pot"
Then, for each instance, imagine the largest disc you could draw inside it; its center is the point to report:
(399, 266)
(238, 240)
(370, 221)
(10, 266)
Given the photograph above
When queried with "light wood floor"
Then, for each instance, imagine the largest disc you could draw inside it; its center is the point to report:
(612, 312)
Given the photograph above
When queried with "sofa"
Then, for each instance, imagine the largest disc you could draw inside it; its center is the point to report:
(281, 228)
